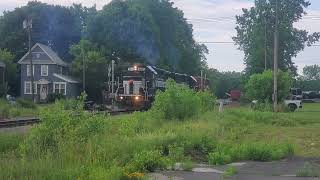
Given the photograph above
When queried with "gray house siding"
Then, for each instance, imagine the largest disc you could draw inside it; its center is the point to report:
(41, 58)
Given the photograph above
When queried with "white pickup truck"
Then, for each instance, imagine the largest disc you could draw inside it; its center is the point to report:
(291, 102)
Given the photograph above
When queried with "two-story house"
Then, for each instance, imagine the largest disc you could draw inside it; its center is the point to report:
(50, 75)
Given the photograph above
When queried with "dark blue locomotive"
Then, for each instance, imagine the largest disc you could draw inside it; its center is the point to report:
(137, 85)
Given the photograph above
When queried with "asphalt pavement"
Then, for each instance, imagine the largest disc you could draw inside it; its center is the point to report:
(278, 170)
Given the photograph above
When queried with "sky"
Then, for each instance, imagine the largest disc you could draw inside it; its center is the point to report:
(214, 21)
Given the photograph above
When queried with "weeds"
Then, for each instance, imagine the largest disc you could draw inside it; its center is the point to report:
(230, 171)
(308, 171)
(71, 143)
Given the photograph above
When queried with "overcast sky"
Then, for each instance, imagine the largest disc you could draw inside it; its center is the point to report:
(213, 20)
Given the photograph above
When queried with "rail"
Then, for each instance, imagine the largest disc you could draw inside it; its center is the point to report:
(18, 122)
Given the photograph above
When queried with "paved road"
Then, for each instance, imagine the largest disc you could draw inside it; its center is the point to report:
(280, 170)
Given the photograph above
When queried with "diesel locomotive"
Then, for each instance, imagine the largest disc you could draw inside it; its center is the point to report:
(136, 85)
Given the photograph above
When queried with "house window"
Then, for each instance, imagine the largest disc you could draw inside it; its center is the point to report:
(44, 70)
(29, 70)
(27, 87)
(38, 55)
(60, 88)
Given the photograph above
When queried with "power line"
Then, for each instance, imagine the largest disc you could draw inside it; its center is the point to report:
(216, 42)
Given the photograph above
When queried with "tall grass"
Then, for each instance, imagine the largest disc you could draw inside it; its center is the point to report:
(73, 144)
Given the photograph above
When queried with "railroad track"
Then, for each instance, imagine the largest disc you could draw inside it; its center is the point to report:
(18, 122)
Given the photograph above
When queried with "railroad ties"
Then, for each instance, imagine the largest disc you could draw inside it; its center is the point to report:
(18, 122)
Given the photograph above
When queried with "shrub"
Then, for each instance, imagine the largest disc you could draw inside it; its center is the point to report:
(219, 158)
(24, 103)
(260, 86)
(230, 171)
(180, 102)
(56, 96)
(251, 151)
(3, 89)
(4, 109)
(147, 161)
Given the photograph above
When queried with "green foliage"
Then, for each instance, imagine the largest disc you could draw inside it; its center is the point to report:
(4, 109)
(150, 31)
(10, 72)
(180, 102)
(250, 151)
(147, 161)
(223, 82)
(25, 103)
(10, 142)
(8, 110)
(71, 143)
(230, 171)
(59, 25)
(260, 86)
(311, 72)
(255, 32)
(305, 85)
(96, 67)
(3, 90)
(55, 96)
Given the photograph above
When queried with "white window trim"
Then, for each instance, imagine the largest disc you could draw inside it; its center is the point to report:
(59, 83)
(42, 72)
(29, 69)
(35, 87)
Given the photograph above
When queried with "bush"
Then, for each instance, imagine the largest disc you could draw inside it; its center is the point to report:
(180, 102)
(24, 103)
(250, 151)
(3, 90)
(4, 109)
(56, 96)
(147, 161)
(260, 86)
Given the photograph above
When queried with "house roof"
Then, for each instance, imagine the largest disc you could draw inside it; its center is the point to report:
(52, 55)
(66, 78)
(2, 64)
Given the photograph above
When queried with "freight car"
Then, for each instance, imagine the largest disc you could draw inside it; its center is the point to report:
(137, 85)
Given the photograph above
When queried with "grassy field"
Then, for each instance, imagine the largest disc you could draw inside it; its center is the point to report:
(71, 144)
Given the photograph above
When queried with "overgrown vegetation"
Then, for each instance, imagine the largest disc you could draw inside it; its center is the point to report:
(20, 108)
(71, 143)
(179, 102)
(260, 86)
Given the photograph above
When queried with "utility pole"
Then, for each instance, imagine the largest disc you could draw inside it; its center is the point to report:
(265, 38)
(27, 24)
(83, 68)
(112, 83)
(275, 66)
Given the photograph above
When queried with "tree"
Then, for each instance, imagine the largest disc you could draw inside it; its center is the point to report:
(96, 67)
(260, 86)
(255, 30)
(223, 82)
(311, 72)
(10, 71)
(148, 31)
(56, 26)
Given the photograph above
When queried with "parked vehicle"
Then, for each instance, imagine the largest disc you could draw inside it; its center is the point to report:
(292, 102)
(297, 92)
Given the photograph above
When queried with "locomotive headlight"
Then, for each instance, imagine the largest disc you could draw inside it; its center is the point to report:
(135, 68)
(121, 98)
(136, 98)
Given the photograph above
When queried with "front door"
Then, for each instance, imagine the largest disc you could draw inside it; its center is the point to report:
(43, 92)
